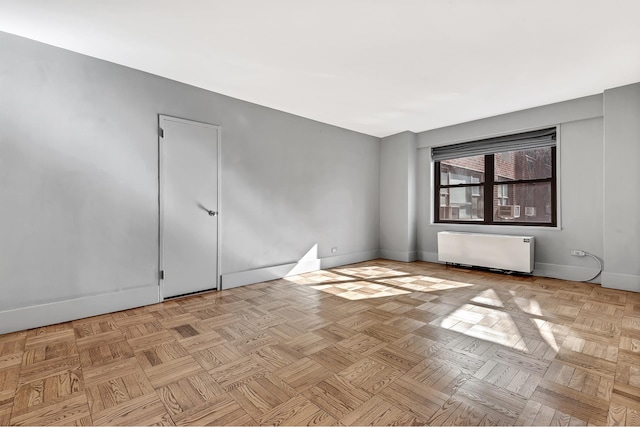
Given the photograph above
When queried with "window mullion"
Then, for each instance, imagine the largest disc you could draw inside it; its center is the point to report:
(474, 184)
(525, 181)
(488, 188)
(436, 198)
(554, 189)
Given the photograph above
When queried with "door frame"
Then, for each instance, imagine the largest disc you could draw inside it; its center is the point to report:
(161, 180)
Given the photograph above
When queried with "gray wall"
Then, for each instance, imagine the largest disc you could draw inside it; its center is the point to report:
(398, 158)
(78, 181)
(78, 175)
(621, 183)
(599, 148)
(580, 185)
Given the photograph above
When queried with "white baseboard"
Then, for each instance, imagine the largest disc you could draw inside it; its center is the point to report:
(429, 257)
(556, 271)
(248, 277)
(64, 311)
(565, 272)
(242, 278)
(352, 258)
(626, 282)
(403, 256)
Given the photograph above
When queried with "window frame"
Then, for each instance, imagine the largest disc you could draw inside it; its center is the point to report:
(488, 185)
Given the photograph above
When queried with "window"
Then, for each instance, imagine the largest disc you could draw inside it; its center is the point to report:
(508, 180)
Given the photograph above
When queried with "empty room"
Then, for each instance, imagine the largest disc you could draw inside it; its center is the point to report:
(358, 212)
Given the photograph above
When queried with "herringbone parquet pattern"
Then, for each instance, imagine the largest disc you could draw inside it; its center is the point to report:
(377, 343)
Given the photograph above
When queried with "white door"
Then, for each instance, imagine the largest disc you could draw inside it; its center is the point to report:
(189, 153)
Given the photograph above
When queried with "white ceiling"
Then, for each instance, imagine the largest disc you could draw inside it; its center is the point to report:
(374, 66)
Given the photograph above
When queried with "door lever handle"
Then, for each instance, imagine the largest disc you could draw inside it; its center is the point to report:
(211, 213)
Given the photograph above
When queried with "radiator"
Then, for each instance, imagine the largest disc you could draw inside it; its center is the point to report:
(512, 253)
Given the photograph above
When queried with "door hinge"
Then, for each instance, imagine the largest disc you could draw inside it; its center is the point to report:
(161, 274)
(161, 132)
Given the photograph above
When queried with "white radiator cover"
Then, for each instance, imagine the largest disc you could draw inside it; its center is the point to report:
(512, 253)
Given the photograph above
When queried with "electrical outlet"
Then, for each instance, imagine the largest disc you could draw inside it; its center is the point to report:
(577, 252)
(334, 250)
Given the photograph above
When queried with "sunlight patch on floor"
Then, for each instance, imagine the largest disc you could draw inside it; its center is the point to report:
(443, 286)
(465, 314)
(488, 324)
(529, 306)
(488, 297)
(321, 276)
(426, 284)
(371, 272)
(546, 332)
(359, 290)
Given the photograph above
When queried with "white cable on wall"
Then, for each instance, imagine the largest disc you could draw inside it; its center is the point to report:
(599, 265)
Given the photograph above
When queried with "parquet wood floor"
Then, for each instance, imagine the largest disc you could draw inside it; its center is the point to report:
(375, 343)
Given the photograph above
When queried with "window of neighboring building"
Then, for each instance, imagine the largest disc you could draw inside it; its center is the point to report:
(508, 180)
